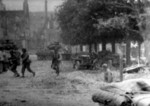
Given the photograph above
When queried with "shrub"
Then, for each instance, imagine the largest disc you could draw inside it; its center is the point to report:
(44, 55)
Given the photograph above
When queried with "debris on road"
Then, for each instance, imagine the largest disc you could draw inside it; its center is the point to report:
(122, 94)
(134, 68)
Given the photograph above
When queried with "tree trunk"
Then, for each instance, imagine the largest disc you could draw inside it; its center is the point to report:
(121, 68)
(90, 48)
(113, 47)
(95, 47)
(139, 49)
(128, 50)
(81, 48)
(147, 50)
(103, 46)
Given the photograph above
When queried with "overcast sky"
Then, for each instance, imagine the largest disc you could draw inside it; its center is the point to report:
(34, 5)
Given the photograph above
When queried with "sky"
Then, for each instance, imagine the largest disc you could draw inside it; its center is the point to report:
(34, 5)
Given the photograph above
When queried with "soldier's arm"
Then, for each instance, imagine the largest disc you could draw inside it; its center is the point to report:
(25, 57)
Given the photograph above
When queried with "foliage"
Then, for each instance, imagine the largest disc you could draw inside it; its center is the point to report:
(90, 21)
(7, 45)
(69, 17)
(13, 23)
(44, 54)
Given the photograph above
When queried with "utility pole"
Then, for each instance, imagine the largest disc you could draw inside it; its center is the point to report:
(3, 20)
(46, 25)
(26, 23)
(46, 10)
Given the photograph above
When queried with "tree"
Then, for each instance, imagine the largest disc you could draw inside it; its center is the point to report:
(90, 21)
(126, 23)
(75, 22)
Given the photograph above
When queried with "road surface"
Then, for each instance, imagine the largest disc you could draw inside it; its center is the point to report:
(46, 89)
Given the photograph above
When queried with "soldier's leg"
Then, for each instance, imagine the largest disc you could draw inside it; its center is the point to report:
(14, 70)
(4, 67)
(57, 69)
(29, 69)
(23, 70)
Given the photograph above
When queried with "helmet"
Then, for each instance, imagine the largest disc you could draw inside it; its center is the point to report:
(104, 65)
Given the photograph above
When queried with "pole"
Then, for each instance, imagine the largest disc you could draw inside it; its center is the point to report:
(121, 68)
(24, 40)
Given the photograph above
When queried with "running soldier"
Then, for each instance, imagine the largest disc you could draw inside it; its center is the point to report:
(56, 62)
(26, 62)
(13, 61)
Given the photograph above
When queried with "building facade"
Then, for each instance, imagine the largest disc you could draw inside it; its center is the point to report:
(14, 24)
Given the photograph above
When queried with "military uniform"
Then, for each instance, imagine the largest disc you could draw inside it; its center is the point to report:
(107, 74)
(56, 62)
(14, 63)
(26, 62)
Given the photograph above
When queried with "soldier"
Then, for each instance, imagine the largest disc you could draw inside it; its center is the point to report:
(26, 62)
(14, 63)
(107, 73)
(5, 61)
(56, 62)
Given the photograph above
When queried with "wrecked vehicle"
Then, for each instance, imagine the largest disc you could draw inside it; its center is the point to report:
(82, 61)
(105, 56)
(134, 92)
(135, 68)
(85, 60)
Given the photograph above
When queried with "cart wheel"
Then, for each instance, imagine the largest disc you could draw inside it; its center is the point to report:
(77, 64)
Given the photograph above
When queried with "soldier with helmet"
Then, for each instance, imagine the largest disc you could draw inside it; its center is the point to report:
(14, 63)
(26, 62)
(56, 62)
(107, 74)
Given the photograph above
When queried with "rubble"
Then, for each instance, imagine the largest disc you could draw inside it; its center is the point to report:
(134, 68)
(127, 93)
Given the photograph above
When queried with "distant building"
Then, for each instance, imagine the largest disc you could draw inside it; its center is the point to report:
(43, 28)
(33, 30)
(2, 6)
(14, 23)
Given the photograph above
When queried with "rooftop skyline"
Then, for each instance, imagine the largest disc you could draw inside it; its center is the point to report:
(34, 5)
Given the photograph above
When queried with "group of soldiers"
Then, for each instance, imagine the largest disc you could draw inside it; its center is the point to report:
(11, 59)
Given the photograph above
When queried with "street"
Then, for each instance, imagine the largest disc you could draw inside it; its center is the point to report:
(71, 88)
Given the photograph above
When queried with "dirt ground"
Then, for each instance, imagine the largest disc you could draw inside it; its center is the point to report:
(71, 88)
